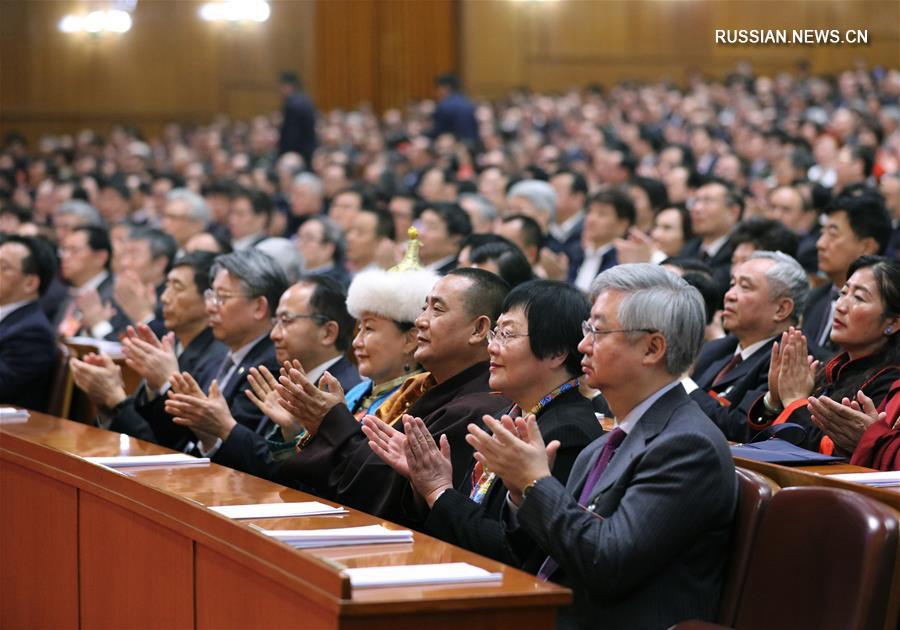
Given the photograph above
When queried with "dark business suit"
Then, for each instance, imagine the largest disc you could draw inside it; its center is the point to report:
(200, 358)
(738, 389)
(720, 263)
(28, 357)
(249, 451)
(455, 114)
(815, 316)
(119, 321)
(339, 464)
(456, 518)
(298, 127)
(609, 260)
(651, 547)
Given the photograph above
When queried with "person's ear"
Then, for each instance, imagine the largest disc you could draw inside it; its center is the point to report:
(482, 325)
(328, 333)
(557, 360)
(410, 343)
(870, 247)
(655, 350)
(783, 309)
(261, 308)
(892, 326)
(32, 283)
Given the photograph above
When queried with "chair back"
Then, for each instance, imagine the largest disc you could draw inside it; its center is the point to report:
(754, 493)
(822, 558)
(61, 385)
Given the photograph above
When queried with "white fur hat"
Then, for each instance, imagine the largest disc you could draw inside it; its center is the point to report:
(397, 295)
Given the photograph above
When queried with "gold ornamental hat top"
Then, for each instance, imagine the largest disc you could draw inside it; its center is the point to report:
(410, 260)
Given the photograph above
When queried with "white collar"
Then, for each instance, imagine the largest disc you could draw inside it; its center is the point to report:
(713, 248)
(316, 373)
(7, 309)
(246, 242)
(631, 418)
(750, 350)
(93, 283)
(562, 230)
(238, 356)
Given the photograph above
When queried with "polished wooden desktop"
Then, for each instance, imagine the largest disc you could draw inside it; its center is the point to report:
(85, 546)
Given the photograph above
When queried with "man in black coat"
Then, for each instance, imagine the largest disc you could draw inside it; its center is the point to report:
(715, 209)
(768, 292)
(28, 352)
(298, 125)
(454, 113)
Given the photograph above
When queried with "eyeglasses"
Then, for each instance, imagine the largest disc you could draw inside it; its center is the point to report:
(502, 337)
(286, 319)
(587, 328)
(218, 298)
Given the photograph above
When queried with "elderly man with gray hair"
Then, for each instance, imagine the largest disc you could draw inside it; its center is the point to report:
(185, 214)
(640, 532)
(72, 215)
(533, 198)
(768, 293)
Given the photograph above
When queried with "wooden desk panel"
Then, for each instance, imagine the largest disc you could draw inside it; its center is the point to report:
(239, 577)
(38, 530)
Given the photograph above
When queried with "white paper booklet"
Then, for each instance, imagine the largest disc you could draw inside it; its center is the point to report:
(11, 415)
(111, 348)
(365, 535)
(127, 461)
(420, 575)
(887, 478)
(277, 510)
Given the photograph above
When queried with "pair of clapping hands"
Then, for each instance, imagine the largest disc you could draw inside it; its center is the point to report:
(291, 401)
(514, 450)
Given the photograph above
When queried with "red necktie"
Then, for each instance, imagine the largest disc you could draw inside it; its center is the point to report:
(728, 367)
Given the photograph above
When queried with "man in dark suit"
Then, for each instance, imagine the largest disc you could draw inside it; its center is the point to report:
(322, 246)
(857, 225)
(298, 125)
(768, 292)
(715, 209)
(571, 193)
(641, 530)
(610, 214)
(788, 205)
(191, 347)
(454, 113)
(28, 352)
(442, 228)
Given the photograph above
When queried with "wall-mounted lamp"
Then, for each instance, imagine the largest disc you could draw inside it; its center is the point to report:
(236, 11)
(97, 22)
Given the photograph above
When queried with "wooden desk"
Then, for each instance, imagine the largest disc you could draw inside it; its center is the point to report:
(84, 546)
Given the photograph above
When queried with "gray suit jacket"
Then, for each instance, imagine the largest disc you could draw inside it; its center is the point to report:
(651, 548)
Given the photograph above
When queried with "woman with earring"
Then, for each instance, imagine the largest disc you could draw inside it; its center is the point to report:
(866, 326)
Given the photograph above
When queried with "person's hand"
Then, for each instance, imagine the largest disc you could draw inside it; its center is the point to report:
(637, 247)
(518, 462)
(203, 414)
(387, 443)
(306, 402)
(797, 373)
(555, 266)
(264, 395)
(775, 368)
(844, 422)
(100, 378)
(430, 468)
(93, 310)
(136, 299)
(152, 358)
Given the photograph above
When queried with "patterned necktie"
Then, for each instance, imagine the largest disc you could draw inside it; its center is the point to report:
(606, 454)
(227, 364)
(735, 359)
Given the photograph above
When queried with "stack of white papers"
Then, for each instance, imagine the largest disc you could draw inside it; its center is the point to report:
(111, 348)
(366, 535)
(877, 479)
(420, 574)
(277, 510)
(126, 461)
(11, 415)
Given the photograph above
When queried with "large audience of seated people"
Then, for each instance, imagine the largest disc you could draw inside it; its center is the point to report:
(424, 315)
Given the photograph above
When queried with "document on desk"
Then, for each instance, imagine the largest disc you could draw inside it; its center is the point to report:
(111, 348)
(875, 479)
(420, 575)
(365, 535)
(128, 461)
(11, 415)
(277, 510)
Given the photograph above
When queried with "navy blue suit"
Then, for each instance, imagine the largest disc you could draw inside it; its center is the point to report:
(298, 127)
(28, 357)
(455, 114)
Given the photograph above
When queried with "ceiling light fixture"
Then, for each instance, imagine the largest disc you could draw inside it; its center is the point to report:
(236, 11)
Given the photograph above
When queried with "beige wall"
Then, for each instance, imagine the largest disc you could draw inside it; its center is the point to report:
(556, 44)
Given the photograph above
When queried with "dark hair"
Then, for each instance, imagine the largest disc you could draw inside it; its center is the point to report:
(620, 202)
(766, 234)
(22, 214)
(689, 264)
(289, 77)
(579, 183)
(161, 243)
(486, 295)
(887, 277)
(384, 222)
(531, 231)
(477, 240)
(866, 155)
(117, 185)
(260, 202)
(258, 273)
(733, 196)
(687, 227)
(709, 290)
(454, 217)
(866, 216)
(40, 260)
(330, 300)
(554, 311)
(447, 80)
(97, 240)
(655, 190)
(511, 263)
(201, 263)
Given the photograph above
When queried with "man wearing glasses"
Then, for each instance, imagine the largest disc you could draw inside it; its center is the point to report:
(640, 531)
